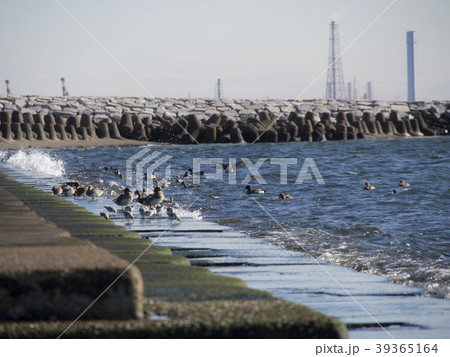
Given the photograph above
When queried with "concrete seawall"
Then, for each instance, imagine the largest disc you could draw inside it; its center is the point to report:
(50, 271)
(74, 120)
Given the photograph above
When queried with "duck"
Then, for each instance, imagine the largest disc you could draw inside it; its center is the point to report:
(394, 191)
(285, 197)
(251, 190)
(57, 190)
(214, 197)
(179, 179)
(368, 186)
(185, 185)
(81, 191)
(75, 184)
(68, 190)
(125, 198)
(155, 199)
(190, 173)
(93, 192)
(140, 197)
(404, 184)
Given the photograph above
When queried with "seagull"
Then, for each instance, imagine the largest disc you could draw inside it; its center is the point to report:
(172, 215)
(128, 215)
(251, 190)
(125, 198)
(146, 212)
(155, 199)
(110, 209)
(129, 209)
(229, 167)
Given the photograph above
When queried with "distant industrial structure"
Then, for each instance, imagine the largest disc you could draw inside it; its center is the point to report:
(219, 89)
(65, 93)
(335, 88)
(369, 94)
(410, 59)
(8, 90)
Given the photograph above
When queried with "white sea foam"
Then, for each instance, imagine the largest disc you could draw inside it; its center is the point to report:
(3, 155)
(37, 161)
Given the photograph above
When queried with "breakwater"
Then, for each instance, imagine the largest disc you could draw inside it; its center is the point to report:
(190, 121)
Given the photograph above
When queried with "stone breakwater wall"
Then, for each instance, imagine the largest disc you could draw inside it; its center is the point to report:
(190, 121)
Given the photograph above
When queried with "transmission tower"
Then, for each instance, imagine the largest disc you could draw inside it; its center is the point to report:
(335, 76)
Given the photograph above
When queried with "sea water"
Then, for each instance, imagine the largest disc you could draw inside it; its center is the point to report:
(403, 235)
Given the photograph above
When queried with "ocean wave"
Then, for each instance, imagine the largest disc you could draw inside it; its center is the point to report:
(37, 161)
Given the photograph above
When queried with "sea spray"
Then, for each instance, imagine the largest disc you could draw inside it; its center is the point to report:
(37, 161)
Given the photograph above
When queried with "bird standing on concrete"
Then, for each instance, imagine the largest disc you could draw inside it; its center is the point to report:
(93, 192)
(125, 198)
(155, 199)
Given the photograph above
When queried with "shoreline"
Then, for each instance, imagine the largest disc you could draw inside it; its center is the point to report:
(59, 144)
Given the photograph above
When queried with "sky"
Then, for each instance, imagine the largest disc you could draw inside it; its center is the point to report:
(260, 49)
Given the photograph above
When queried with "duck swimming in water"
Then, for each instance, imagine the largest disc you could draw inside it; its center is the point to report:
(404, 184)
(251, 190)
(285, 197)
(368, 186)
(185, 185)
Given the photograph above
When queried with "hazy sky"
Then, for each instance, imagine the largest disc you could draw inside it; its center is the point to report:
(259, 48)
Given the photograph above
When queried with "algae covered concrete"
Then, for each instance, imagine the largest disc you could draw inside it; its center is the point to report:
(180, 300)
(45, 273)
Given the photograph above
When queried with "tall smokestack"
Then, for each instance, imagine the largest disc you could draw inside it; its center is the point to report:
(410, 56)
